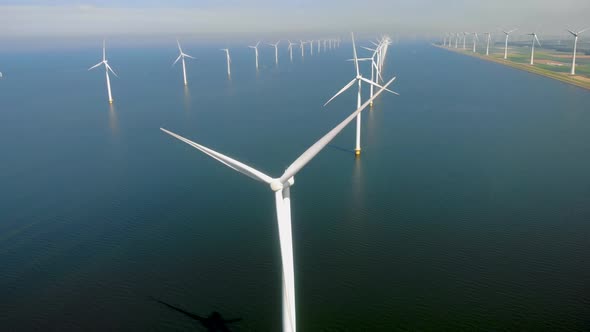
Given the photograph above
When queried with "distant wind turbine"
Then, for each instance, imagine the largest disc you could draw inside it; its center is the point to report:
(255, 47)
(302, 45)
(290, 48)
(475, 39)
(276, 46)
(575, 34)
(374, 68)
(358, 79)
(464, 39)
(181, 57)
(311, 46)
(488, 43)
(533, 46)
(507, 33)
(281, 187)
(107, 69)
(228, 61)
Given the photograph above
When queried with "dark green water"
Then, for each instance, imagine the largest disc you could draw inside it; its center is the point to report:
(468, 210)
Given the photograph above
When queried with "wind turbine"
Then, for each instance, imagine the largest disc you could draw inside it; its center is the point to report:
(374, 68)
(533, 47)
(291, 49)
(281, 187)
(255, 47)
(276, 46)
(319, 46)
(107, 69)
(475, 39)
(302, 45)
(228, 61)
(575, 34)
(457, 40)
(182, 56)
(507, 33)
(311, 46)
(488, 44)
(464, 39)
(358, 78)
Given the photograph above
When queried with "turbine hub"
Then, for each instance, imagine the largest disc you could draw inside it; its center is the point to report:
(276, 185)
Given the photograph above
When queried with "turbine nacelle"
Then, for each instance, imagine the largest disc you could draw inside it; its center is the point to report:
(277, 185)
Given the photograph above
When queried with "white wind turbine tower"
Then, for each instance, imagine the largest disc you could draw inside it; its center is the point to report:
(507, 33)
(276, 46)
(310, 46)
(457, 40)
(575, 34)
(107, 69)
(228, 61)
(358, 78)
(475, 39)
(464, 39)
(533, 46)
(181, 57)
(302, 45)
(281, 187)
(291, 49)
(255, 47)
(319, 46)
(488, 42)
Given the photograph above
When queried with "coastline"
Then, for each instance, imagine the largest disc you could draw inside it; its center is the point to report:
(526, 67)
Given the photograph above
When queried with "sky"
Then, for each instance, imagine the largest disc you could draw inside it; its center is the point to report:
(266, 18)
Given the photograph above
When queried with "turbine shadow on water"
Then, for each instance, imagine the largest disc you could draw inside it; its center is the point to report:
(213, 323)
(340, 148)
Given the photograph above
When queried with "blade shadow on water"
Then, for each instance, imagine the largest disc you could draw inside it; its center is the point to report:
(340, 148)
(213, 323)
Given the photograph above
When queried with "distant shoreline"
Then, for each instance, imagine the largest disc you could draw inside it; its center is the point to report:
(526, 67)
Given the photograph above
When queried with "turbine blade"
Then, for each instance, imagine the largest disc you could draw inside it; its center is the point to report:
(341, 90)
(188, 56)
(231, 163)
(111, 69)
(379, 86)
(579, 32)
(104, 52)
(179, 48)
(570, 31)
(177, 59)
(310, 153)
(537, 39)
(96, 65)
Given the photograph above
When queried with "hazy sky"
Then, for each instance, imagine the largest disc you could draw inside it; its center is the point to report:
(47, 18)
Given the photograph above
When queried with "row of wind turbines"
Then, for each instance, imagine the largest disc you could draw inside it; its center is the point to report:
(451, 38)
(328, 44)
(281, 185)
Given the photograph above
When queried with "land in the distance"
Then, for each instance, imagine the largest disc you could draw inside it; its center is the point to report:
(549, 63)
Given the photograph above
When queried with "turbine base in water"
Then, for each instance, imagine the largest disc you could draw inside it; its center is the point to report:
(357, 153)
